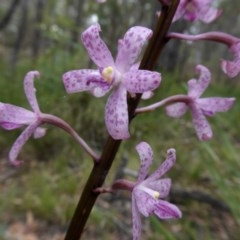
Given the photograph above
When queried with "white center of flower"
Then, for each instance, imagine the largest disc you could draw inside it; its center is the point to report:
(151, 192)
(108, 73)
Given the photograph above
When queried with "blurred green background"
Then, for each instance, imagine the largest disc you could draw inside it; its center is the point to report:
(38, 199)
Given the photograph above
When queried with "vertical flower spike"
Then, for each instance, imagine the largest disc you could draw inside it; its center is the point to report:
(200, 107)
(12, 117)
(147, 193)
(122, 76)
(192, 10)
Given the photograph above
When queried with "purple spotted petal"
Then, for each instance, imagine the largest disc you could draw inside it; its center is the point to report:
(210, 106)
(206, 13)
(161, 185)
(12, 117)
(97, 49)
(232, 68)
(116, 114)
(165, 166)
(196, 10)
(166, 210)
(30, 90)
(21, 140)
(176, 110)
(136, 220)
(146, 156)
(197, 87)
(200, 122)
(130, 46)
(180, 10)
(145, 202)
(85, 80)
(141, 81)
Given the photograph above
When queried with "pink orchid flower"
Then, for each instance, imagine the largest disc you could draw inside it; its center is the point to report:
(13, 117)
(200, 107)
(148, 192)
(120, 75)
(193, 10)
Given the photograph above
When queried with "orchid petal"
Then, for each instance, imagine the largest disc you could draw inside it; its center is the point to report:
(39, 132)
(180, 10)
(206, 13)
(100, 91)
(176, 110)
(197, 87)
(162, 186)
(130, 46)
(231, 68)
(146, 156)
(190, 16)
(86, 79)
(116, 114)
(12, 117)
(196, 10)
(147, 95)
(165, 166)
(145, 203)
(21, 140)
(30, 90)
(97, 49)
(166, 210)
(135, 66)
(136, 220)
(141, 81)
(201, 124)
(210, 106)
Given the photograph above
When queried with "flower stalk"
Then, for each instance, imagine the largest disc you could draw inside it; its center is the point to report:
(163, 103)
(101, 168)
(214, 36)
(56, 121)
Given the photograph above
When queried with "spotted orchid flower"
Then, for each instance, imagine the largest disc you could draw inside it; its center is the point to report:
(200, 107)
(192, 10)
(120, 75)
(13, 117)
(148, 192)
